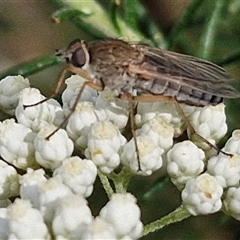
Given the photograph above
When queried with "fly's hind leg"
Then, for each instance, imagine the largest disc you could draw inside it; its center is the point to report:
(157, 98)
(190, 127)
(193, 132)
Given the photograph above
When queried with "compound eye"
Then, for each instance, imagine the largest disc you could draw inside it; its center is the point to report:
(78, 58)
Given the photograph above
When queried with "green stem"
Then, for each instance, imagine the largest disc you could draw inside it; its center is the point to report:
(176, 216)
(121, 180)
(106, 184)
(211, 29)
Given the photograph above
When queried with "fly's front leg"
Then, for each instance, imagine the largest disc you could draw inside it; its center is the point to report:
(58, 86)
(55, 91)
(90, 84)
(59, 83)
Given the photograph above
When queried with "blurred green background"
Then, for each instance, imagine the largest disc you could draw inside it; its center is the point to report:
(203, 28)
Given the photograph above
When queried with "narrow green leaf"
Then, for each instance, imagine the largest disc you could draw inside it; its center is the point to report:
(32, 67)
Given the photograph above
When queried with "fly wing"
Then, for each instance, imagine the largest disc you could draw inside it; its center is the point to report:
(170, 68)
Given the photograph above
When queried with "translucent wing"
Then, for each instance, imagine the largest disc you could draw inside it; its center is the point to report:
(188, 79)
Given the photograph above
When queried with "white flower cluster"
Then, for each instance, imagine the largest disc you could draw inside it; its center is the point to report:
(50, 185)
(51, 194)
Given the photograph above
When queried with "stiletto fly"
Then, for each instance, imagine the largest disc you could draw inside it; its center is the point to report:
(128, 68)
(142, 73)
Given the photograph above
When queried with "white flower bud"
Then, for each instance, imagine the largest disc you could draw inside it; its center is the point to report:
(25, 222)
(69, 95)
(79, 175)
(71, 217)
(104, 144)
(166, 110)
(184, 161)
(116, 109)
(210, 123)
(233, 144)
(50, 193)
(51, 152)
(99, 229)
(9, 181)
(124, 215)
(231, 202)
(158, 130)
(80, 121)
(36, 117)
(150, 156)
(5, 203)
(202, 195)
(30, 184)
(16, 144)
(4, 231)
(10, 87)
(226, 169)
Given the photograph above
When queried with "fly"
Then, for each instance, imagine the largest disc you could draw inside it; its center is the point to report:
(154, 74)
(126, 68)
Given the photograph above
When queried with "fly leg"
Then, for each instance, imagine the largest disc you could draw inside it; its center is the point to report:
(155, 98)
(57, 88)
(190, 127)
(130, 100)
(59, 83)
(90, 84)
(192, 130)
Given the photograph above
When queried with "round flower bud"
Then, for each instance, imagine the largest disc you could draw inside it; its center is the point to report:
(10, 87)
(80, 121)
(16, 144)
(184, 161)
(202, 195)
(123, 214)
(233, 144)
(210, 123)
(104, 144)
(9, 181)
(150, 156)
(71, 217)
(231, 202)
(25, 222)
(38, 116)
(226, 169)
(69, 95)
(158, 130)
(50, 152)
(166, 110)
(115, 109)
(30, 183)
(99, 229)
(50, 193)
(79, 175)
(4, 231)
